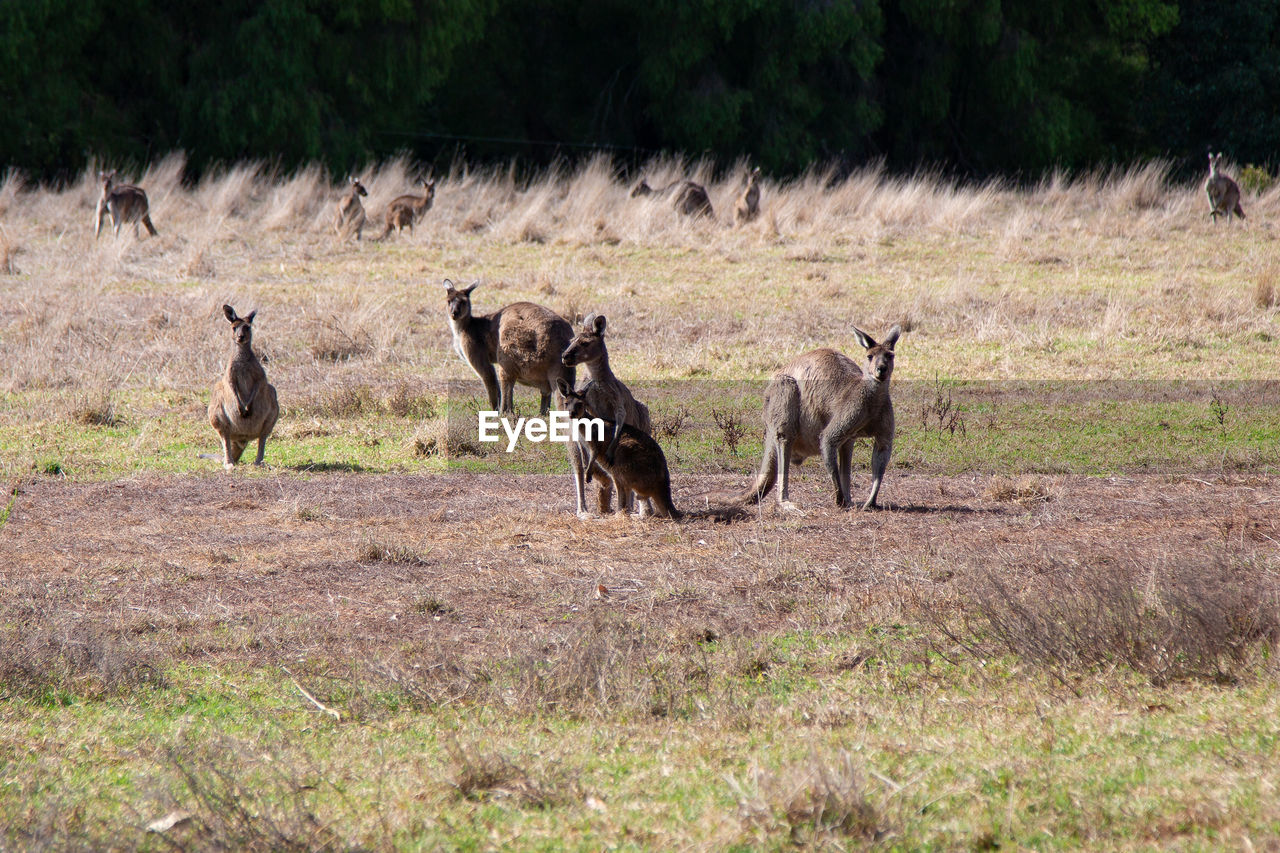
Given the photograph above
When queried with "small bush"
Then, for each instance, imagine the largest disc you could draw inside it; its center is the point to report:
(389, 552)
(1187, 620)
(812, 803)
(1266, 288)
(482, 775)
(346, 401)
(404, 403)
(95, 410)
(82, 660)
(732, 429)
(1256, 179)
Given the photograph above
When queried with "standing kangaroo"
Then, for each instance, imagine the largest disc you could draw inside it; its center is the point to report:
(243, 404)
(638, 464)
(819, 404)
(1224, 194)
(524, 340)
(406, 210)
(748, 206)
(689, 198)
(605, 393)
(351, 216)
(123, 203)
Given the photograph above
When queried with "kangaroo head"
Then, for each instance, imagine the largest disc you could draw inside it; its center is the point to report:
(107, 178)
(358, 187)
(570, 400)
(641, 188)
(753, 177)
(588, 345)
(430, 187)
(241, 327)
(879, 355)
(459, 301)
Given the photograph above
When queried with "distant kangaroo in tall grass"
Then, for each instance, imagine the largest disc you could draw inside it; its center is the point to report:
(351, 216)
(689, 198)
(638, 465)
(123, 203)
(524, 340)
(605, 393)
(748, 206)
(243, 405)
(1224, 194)
(406, 210)
(818, 405)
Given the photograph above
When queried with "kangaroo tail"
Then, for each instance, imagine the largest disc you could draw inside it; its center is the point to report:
(385, 231)
(663, 504)
(151, 229)
(1239, 211)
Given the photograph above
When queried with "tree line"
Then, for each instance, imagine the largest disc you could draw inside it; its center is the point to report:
(975, 87)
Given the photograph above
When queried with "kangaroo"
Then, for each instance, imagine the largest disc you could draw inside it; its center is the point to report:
(406, 210)
(606, 393)
(748, 206)
(819, 404)
(243, 404)
(351, 217)
(1224, 194)
(689, 198)
(638, 464)
(524, 340)
(123, 203)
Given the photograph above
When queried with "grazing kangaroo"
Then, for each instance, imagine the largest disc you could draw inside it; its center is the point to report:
(524, 340)
(819, 404)
(351, 216)
(406, 210)
(243, 405)
(123, 203)
(689, 198)
(606, 393)
(748, 206)
(1224, 194)
(638, 464)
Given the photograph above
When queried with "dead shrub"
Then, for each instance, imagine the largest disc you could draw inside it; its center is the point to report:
(397, 553)
(8, 251)
(1024, 489)
(813, 802)
(1266, 287)
(83, 660)
(346, 401)
(404, 402)
(333, 341)
(96, 409)
(482, 775)
(1185, 620)
(242, 799)
(732, 429)
(447, 438)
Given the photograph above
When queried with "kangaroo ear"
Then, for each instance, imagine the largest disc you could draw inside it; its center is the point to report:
(230, 312)
(474, 285)
(248, 318)
(892, 338)
(864, 339)
(448, 284)
(563, 386)
(597, 323)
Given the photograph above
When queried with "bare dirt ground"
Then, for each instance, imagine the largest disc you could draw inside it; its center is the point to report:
(283, 567)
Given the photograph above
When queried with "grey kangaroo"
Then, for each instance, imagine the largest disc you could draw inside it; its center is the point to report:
(406, 210)
(351, 216)
(123, 203)
(748, 206)
(1224, 194)
(605, 393)
(243, 405)
(819, 404)
(524, 340)
(689, 198)
(638, 464)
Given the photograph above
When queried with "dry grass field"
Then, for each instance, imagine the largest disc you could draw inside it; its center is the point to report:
(1059, 635)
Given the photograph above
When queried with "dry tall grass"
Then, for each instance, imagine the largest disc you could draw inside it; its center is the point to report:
(1074, 277)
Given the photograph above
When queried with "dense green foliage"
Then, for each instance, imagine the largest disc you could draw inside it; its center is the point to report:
(978, 86)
